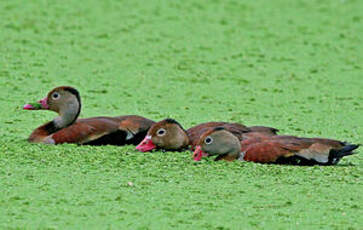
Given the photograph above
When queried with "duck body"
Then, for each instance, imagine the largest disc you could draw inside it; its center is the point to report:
(272, 149)
(66, 128)
(295, 150)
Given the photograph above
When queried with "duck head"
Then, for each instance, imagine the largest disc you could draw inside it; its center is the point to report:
(218, 142)
(167, 134)
(64, 100)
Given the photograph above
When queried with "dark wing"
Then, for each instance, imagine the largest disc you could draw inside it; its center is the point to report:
(237, 129)
(136, 127)
(264, 129)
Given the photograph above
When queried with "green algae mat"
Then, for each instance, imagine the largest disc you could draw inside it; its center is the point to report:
(293, 65)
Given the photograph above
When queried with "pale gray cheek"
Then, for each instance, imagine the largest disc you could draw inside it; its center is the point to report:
(211, 151)
(49, 140)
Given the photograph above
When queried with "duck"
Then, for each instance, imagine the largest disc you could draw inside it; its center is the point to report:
(169, 134)
(292, 150)
(68, 128)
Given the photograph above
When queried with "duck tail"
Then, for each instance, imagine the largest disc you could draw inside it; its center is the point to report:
(336, 154)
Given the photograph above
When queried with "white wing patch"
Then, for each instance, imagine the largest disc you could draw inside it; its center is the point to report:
(130, 135)
(318, 152)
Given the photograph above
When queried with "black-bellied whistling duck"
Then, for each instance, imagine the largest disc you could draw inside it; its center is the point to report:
(168, 134)
(66, 128)
(273, 149)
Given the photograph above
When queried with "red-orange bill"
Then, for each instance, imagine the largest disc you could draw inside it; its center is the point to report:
(146, 145)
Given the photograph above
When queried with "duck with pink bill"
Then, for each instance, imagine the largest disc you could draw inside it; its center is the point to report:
(293, 150)
(68, 128)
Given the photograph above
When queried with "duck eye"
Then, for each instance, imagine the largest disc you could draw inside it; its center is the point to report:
(208, 140)
(55, 96)
(161, 132)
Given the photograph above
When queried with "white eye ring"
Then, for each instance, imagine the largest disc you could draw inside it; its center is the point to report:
(208, 140)
(55, 96)
(161, 132)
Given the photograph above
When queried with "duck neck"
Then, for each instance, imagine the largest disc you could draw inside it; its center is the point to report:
(187, 141)
(180, 141)
(67, 115)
